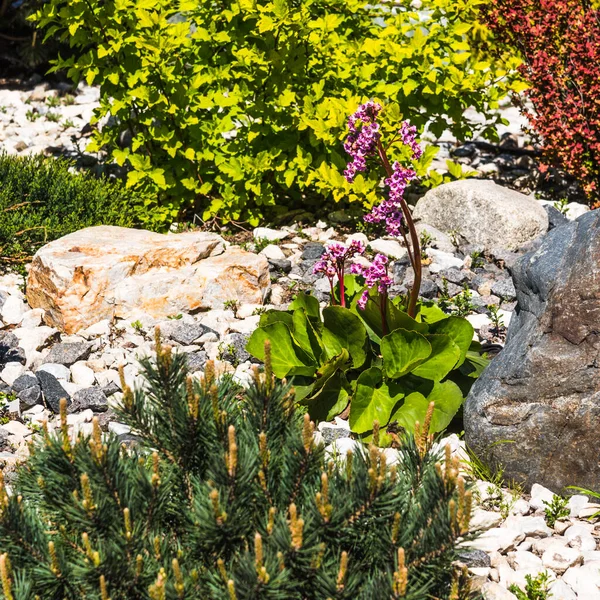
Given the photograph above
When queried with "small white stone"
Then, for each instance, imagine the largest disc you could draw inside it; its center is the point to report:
(539, 494)
(559, 558)
(357, 237)
(530, 526)
(520, 507)
(589, 511)
(575, 210)
(442, 260)
(390, 248)
(484, 519)
(521, 559)
(11, 371)
(81, 374)
(273, 252)
(108, 376)
(12, 311)
(576, 503)
(33, 317)
(16, 428)
(478, 320)
(247, 325)
(97, 329)
(541, 545)
(559, 590)
(84, 416)
(272, 235)
(497, 538)
(585, 580)
(32, 339)
(580, 538)
(494, 591)
(59, 371)
(561, 526)
(340, 447)
(247, 310)
(118, 428)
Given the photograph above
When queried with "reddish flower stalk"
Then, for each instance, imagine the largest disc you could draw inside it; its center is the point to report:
(364, 140)
(333, 264)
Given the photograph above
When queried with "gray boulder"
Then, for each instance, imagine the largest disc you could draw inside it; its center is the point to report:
(535, 410)
(483, 212)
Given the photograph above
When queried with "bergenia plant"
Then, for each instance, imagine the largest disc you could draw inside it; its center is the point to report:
(363, 142)
(333, 265)
(376, 275)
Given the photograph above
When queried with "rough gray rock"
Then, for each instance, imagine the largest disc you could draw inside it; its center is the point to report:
(68, 354)
(29, 397)
(53, 391)
(93, 398)
(483, 213)
(535, 409)
(182, 333)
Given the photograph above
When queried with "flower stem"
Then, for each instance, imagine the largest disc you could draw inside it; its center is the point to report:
(383, 311)
(342, 288)
(414, 251)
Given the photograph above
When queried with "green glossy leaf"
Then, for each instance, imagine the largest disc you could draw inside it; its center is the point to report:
(309, 303)
(402, 351)
(373, 400)
(459, 330)
(343, 329)
(396, 317)
(329, 401)
(276, 316)
(286, 355)
(430, 312)
(447, 398)
(444, 356)
(325, 371)
(305, 336)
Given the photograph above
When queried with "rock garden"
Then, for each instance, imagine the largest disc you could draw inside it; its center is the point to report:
(269, 329)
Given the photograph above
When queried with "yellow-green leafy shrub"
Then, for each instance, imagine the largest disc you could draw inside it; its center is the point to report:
(240, 106)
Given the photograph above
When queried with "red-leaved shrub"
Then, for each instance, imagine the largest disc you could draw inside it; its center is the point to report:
(559, 42)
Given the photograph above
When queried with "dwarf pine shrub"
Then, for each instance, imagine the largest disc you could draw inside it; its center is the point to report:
(226, 495)
(41, 200)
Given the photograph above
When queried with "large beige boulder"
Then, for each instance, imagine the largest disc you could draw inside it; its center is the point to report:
(107, 272)
(483, 213)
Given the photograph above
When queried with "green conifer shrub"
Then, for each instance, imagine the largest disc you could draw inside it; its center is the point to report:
(41, 200)
(237, 109)
(227, 496)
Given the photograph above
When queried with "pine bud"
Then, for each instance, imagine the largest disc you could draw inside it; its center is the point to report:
(349, 460)
(179, 583)
(127, 519)
(341, 578)
(296, 527)
(231, 590)
(139, 565)
(64, 428)
(400, 575)
(54, 566)
(88, 498)
(222, 571)
(308, 431)
(5, 577)
(232, 454)
(103, 590)
(157, 591)
(376, 432)
(396, 527)
(271, 523)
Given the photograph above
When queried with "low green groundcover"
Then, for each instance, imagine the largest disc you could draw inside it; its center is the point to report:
(42, 200)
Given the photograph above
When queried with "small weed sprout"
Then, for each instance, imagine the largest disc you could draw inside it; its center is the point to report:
(259, 310)
(426, 239)
(52, 117)
(496, 318)
(562, 206)
(233, 305)
(260, 244)
(68, 99)
(556, 509)
(137, 325)
(477, 260)
(536, 587)
(32, 115)
(175, 317)
(53, 101)
(462, 302)
(68, 123)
